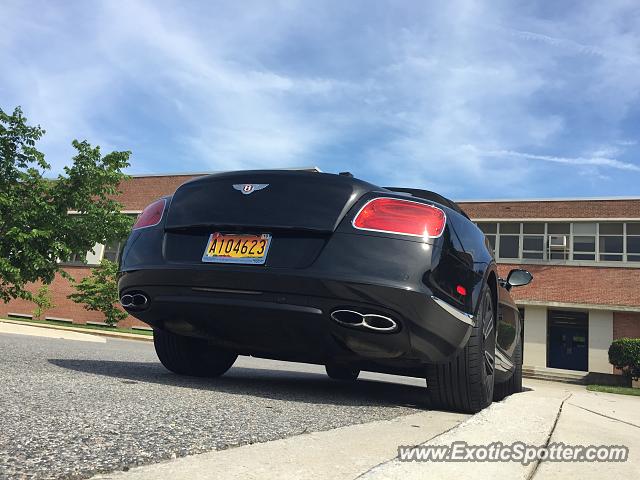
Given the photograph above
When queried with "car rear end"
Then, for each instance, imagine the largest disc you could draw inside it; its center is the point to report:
(298, 266)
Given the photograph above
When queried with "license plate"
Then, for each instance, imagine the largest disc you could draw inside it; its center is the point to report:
(237, 248)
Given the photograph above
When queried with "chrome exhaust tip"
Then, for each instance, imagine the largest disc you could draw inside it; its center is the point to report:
(379, 323)
(367, 321)
(135, 300)
(347, 317)
(126, 301)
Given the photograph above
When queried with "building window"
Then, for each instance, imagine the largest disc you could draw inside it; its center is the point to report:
(633, 242)
(558, 240)
(611, 242)
(490, 231)
(533, 240)
(584, 241)
(112, 251)
(509, 240)
(77, 259)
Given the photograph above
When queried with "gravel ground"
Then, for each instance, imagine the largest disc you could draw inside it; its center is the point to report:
(73, 409)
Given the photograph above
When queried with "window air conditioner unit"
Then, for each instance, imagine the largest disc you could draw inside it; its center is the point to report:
(557, 242)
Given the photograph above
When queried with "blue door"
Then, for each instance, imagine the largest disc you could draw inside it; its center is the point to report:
(567, 345)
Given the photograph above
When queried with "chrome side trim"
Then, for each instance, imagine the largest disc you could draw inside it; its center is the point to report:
(502, 362)
(453, 311)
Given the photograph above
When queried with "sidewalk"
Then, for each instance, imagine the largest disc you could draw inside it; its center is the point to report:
(550, 413)
(87, 331)
(21, 328)
(598, 419)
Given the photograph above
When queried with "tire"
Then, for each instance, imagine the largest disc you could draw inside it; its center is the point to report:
(514, 384)
(342, 372)
(465, 384)
(191, 356)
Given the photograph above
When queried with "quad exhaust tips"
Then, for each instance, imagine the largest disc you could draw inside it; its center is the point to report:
(134, 300)
(365, 321)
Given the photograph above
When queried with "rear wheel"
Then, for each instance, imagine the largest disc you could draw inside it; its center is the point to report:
(342, 372)
(514, 384)
(191, 356)
(465, 383)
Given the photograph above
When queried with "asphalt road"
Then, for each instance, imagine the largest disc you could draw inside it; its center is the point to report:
(72, 409)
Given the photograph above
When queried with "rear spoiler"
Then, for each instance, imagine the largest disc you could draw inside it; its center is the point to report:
(432, 196)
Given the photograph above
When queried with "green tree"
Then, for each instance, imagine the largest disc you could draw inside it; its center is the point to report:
(43, 302)
(99, 292)
(43, 220)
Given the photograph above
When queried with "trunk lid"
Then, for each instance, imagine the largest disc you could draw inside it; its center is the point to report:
(276, 200)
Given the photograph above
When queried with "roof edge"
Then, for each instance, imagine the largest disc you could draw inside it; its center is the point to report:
(519, 200)
(200, 174)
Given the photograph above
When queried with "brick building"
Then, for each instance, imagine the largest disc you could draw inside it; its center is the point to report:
(583, 253)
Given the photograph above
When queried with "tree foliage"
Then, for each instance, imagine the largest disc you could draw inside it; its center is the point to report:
(36, 227)
(99, 292)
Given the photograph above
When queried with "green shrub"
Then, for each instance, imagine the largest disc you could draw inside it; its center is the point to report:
(43, 302)
(99, 292)
(624, 354)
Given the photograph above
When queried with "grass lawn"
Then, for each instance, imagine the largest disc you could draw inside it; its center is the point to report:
(87, 327)
(618, 390)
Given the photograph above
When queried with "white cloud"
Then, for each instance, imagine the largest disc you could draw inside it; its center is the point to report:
(434, 95)
(593, 161)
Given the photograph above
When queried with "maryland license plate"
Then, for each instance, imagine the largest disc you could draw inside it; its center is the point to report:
(237, 248)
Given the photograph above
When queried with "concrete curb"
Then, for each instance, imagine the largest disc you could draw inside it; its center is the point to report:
(528, 417)
(340, 454)
(88, 331)
(369, 451)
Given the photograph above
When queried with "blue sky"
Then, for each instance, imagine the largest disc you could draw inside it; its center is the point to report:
(495, 99)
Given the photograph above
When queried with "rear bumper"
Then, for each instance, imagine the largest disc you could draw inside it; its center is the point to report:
(287, 314)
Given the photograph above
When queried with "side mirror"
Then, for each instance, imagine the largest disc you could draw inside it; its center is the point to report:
(518, 278)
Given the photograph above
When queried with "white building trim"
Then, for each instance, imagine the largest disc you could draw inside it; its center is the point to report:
(559, 220)
(579, 306)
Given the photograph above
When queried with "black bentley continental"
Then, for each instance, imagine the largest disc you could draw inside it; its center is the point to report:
(327, 269)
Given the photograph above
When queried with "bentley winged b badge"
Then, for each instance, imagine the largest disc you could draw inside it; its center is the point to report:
(247, 188)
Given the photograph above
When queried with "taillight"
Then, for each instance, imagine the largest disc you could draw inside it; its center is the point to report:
(394, 215)
(151, 215)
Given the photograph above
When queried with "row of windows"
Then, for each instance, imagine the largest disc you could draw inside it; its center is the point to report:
(577, 241)
(111, 251)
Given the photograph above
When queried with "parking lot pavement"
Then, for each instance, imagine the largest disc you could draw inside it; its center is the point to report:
(72, 409)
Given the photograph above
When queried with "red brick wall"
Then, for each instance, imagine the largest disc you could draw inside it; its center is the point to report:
(626, 324)
(64, 308)
(138, 192)
(554, 209)
(586, 285)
